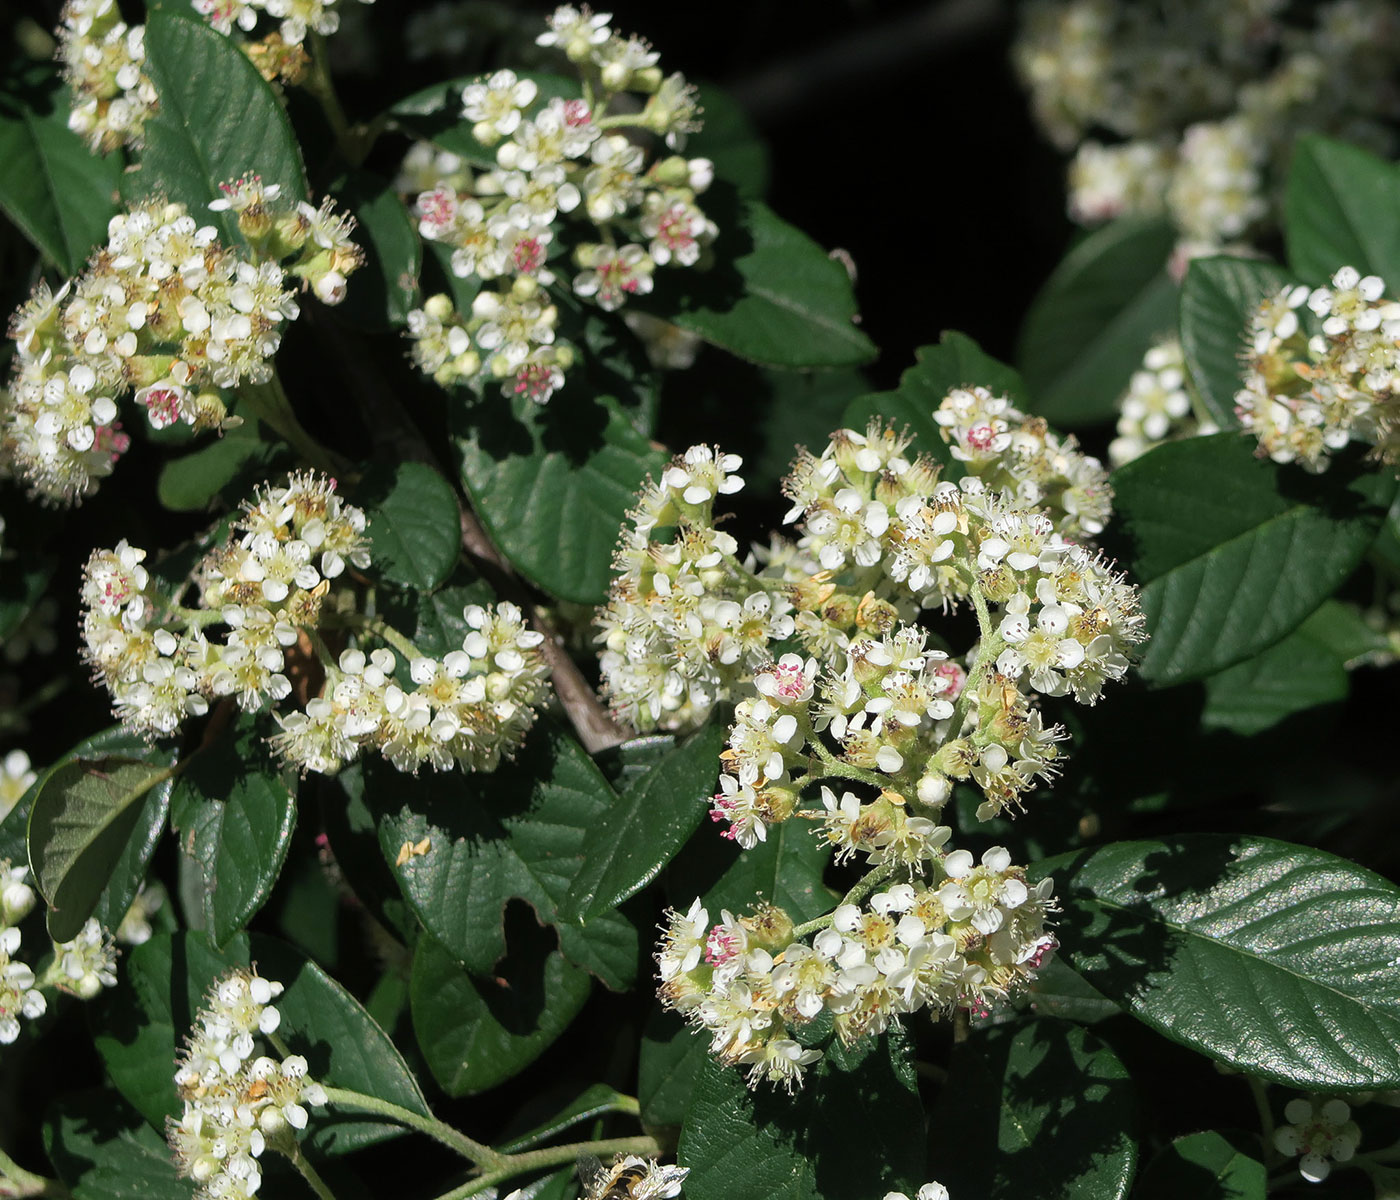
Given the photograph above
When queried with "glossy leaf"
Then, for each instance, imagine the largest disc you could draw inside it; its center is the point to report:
(650, 821)
(1334, 193)
(1232, 551)
(414, 529)
(1209, 1165)
(1012, 1092)
(802, 408)
(190, 482)
(729, 139)
(139, 1026)
(486, 839)
(103, 1150)
(235, 812)
(785, 869)
(780, 301)
(82, 821)
(956, 361)
(1276, 959)
(596, 1100)
(218, 119)
(669, 1061)
(1096, 316)
(1059, 992)
(1218, 298)
(553, 486)
(385, 288)
(854, 1129)
(476, 1031)
(53, 188)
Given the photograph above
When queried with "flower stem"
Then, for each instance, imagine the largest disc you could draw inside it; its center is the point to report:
(16, 1181)
(270, 405)
(380, 629)
(553, 1156)
(454, 1139)
(859, 892)
(1266, 1119)
(309, 1173)
(831, 765)
(989, 646)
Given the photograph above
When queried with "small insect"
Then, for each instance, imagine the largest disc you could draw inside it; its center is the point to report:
(629, 1178)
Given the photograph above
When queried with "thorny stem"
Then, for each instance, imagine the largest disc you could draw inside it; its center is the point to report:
(16, 1181)
(309, 1173)
(553, 1156)
(858, 893)
(271, 405)
(482, 1155)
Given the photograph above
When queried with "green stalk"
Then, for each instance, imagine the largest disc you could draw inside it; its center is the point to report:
(270, 404)
(553, 1156)
(453, 1139)
(26, 1182)
(309, 1173)
(859, 892)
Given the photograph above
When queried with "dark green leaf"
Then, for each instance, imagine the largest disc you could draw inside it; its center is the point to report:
(1207, 1166)
(729, 140)
(435, 113)
(1233, 551)
(1301, 672)
(385, 288)
(1276, 959)
(190, 482)
(218, 119)
(517, 833)
(477, 1031)
(650, 821)
(1218, 298)
(785, 870)
(56, 192)
(103, 1151)
(1094, 319)
(1060, 992)
(1014, 1092)
(21, 588)
(595, 1101)
(554, 484)
(139, 1026)
(235, 812)
(956, 361)
(669, 1062)
(1335, 193)
(440, 625)
(774, 296)
(415, 529)
(804, 408)
(86, 813)
(854, 1129)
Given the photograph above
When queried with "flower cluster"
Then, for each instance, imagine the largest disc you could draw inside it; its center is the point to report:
(1321, 371)
(296, 18)
(568, 181)
(103, 60)
(1318, 1133)
(1207, 101)
(635, 1178)
(270, 586)
(1156, 407)
(164, 311)
(953, 933)
(236, 1105)
(81, 967)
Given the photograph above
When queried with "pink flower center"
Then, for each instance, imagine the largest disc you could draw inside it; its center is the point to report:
(720, 946)
(439, 206)
(789, 682)
(576, 113)
(528, 255)
(536, 381)
(955, 676)
(980, 437)
(163, 405)
(674, 228)
(109, 439)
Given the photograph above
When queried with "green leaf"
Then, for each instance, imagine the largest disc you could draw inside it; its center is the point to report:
(774, 296)
(517, 833)
(477, 1031)
(1333, 214)
(439, 622)
(669, 1062)
(1218, 299)
(785, 869)
(103, 1151)
(641, 833)
(1301, 672)
(235, 812)
(386, 286)
(139, 1026)
(415, 530)
(21, 588)
(596, 1100)
(1060, 992)
(85, 814)
(218, 119)
(803, 408)
(1276, 959)
(1207, 1166)
(553, 485)
(57, 193)
(1094, 319)
(1013, 1092)
(731, 141)
(1233, 551)
(854, 1129)
(956, 361)
(435, 113)
(190, 482)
